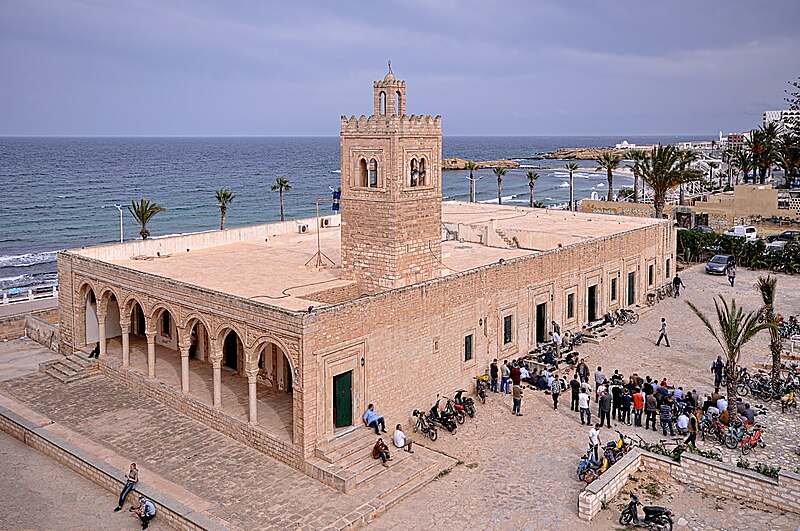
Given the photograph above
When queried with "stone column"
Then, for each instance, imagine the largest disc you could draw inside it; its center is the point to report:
(101, 334)
(126, 343)
(252, 378)
(216, 363)
(184, 369)
(151, 354)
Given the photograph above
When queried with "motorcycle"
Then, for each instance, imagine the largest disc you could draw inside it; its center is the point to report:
(425, 425)
(481, 384)
(458, 411)
(655, 517)
(590, 468)
(466, 402)
(442, 418)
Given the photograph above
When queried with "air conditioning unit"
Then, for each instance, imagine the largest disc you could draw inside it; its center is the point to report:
(302, 228)
(330, 221)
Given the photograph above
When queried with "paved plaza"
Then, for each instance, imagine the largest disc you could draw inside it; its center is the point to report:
(517, 472)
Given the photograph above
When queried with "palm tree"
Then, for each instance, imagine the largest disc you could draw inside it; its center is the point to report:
(143, 211)
(472, 166)
(637, 156)
(532, 176)
(711, 166)
(743, 162)
(767, 287)
(660, 170)
(609, 162)
(499, 172)
(788, 155)
(571, 167)
(735, 329)
(686, 158)
(224, 198)
(281, 185)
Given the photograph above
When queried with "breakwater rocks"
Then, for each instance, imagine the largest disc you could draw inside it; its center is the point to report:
(461, 164)
(584, 153)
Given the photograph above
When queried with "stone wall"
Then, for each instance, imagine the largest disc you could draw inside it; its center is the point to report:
(606, 487)
(43, 332)
(13, 326)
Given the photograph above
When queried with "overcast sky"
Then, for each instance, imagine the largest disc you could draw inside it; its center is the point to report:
(537, 67)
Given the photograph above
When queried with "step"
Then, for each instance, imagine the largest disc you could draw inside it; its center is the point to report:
(82, 361)
(63, 369)
(56, 374)
(72, 364)
(369, 469)
(347, 445)
(397, 477)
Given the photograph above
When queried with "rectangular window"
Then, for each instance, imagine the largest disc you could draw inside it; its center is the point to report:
(668, 264)
(507, 322)
(468, 347)
(571, 306)
(613, 289)
(166, 324)
(651, 269)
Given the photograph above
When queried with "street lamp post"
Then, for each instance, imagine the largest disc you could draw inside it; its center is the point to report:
(121, 231)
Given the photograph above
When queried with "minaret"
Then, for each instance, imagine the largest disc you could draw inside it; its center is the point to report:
(391, 193)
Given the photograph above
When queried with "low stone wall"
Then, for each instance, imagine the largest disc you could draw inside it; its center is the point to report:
(280, 450)
(712, 476)
(14, 326)
(170, 511)
(42, 331)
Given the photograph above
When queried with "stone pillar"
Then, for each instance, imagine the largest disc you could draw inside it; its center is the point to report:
(252, 378)
(126, 343)
(151, 354)
(101, 334)
(184, 369)
(216, 363)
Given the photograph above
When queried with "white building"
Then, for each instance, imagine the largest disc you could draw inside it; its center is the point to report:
(783, 118)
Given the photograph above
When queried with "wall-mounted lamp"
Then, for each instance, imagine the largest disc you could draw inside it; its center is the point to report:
(296, 372)
(480, 322)
(362, 361)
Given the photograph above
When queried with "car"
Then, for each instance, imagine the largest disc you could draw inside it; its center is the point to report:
(748, 232)
(785, 236)
(703, 228)
(718, 265)
(776, 244)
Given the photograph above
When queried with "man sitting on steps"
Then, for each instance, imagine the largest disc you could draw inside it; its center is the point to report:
(372, 420)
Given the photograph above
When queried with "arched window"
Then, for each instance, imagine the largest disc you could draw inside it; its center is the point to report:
(414, 172)
(373, 173)
(397, 102)
(423, 178)
(363, 176)
(383, 102)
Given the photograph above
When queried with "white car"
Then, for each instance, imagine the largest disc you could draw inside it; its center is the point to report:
(748, 232)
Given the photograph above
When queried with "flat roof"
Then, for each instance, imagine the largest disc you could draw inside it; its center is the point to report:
(273, 270)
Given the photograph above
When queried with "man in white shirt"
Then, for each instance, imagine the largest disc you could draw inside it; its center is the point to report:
(583, 406)
(401, 441)
(556, 343)
(683, 423)
(594, 441)
(722, 404)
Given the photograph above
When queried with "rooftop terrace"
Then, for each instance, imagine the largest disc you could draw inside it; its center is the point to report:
(267, 263)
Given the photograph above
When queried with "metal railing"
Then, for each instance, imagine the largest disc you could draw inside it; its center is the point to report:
(30, 293)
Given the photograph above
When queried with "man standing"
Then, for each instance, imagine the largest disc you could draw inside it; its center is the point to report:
(677, 284)
(583, 371)
(594, 440)
(599, 378)
(731, 273)
(505, 374)
(556, 328)
(605, 408)
(556, 338)
(555, 390)
(638, 407)
(692, 438)
(493, 373)
(650, 411)
(666, 417)
(717, 368)
(575, 388)
(372, 420)
(583, 405)
(517, 397)
(515, 373)
(663, 334)
(132, 478)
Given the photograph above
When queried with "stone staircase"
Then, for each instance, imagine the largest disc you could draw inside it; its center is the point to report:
(510, 243)
(349, 459)
(71, 368)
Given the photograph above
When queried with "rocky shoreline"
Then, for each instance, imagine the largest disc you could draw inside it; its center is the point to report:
(461, 164)
(584, 153)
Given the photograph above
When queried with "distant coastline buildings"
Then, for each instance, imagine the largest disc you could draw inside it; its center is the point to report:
(785, 118)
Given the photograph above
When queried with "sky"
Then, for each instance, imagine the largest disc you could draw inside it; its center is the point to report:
(536, 67)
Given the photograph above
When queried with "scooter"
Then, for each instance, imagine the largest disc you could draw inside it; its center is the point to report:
(465, 401)
(481, 384)
(655, 517)
(445, 420)
(458, 411)
(425, 425)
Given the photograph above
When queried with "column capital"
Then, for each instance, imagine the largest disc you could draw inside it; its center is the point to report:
(216, 362)
(125, 326)
(252, 375)
(151, 335)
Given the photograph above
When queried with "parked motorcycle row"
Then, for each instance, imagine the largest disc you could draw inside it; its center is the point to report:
(455, 412)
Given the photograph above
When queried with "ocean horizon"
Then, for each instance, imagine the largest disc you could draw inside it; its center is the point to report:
(61, 191)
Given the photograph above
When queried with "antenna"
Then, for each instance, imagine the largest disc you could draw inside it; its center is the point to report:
(390, 67)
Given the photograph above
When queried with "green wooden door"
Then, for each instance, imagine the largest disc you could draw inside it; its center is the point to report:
(631, 287)
(343, 399)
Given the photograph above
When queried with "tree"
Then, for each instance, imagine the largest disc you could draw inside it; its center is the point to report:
(609, 162)
(224, 197)
(767, 287)
(788, 155)
(472, 166)
(661, 172)
(711, 167)
(143, 211)
(637, 156)
(281, 185)
(734, 329)
(571, 167)
(532, 176)
(499, 172)
(743, 163)
(686, 157)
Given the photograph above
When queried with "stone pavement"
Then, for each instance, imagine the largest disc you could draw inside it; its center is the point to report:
(21, 357)
(39, 493)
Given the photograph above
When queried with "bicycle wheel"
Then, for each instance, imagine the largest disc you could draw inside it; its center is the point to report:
(582, 473)
(634, 318)
(746, 447)
(730, 442)
(742, 389)
(460, 416)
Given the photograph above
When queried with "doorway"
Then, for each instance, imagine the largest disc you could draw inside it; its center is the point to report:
(343, 399)
(231, 351)
(631, 287)
(591, 304)
(541, 322)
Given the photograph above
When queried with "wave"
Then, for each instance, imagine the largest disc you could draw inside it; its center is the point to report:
(564, 184)
(336, 171)
(28, 259)
(494, 201)
(21, 281)
(599, 185)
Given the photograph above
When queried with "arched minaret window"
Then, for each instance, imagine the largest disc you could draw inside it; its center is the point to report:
(397, 103)
(383, 103)
(423, 178)
(363, 175)
(373, 173)
(414, 172)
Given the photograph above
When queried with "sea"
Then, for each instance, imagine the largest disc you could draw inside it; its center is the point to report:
(60, 192)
